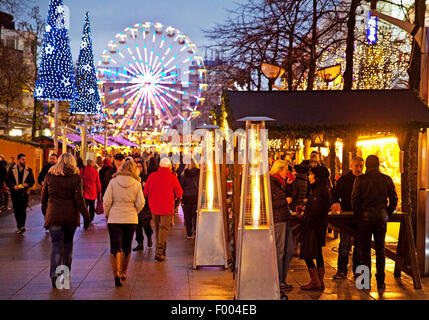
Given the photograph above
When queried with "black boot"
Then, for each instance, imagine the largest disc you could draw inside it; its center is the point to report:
(139, 247)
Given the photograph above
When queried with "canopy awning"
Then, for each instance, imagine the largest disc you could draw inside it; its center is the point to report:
(124, 142)
(329, 108)
(100, 139)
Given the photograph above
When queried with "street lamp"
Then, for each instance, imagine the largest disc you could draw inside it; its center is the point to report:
(271, 72)
(330, 73)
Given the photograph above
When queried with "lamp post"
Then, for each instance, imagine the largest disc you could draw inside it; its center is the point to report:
(330, 73)
(271, 72)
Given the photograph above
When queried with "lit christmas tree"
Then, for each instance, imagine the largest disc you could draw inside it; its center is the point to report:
(56, 79)
(88, 101)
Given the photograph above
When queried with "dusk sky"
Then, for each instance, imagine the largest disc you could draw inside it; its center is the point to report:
(109, 17)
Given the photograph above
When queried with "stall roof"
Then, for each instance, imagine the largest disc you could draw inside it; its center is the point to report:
(100, 139)
(332, 108)
(124, 141)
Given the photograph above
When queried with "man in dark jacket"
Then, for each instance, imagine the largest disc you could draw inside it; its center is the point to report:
(19, 180)
(341, 194)
(53, 158)
(374, 200)
(281, 215)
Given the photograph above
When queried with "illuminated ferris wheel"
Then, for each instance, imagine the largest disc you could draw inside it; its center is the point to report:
(151, 76)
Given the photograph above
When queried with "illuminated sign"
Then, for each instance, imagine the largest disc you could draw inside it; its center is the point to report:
(371, 33)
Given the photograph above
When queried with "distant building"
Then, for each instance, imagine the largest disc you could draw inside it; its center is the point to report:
(18, 43)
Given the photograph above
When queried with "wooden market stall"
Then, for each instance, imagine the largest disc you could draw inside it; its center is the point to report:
(341, 124)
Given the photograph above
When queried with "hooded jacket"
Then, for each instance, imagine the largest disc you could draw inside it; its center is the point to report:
(62, 200)
(123, 199)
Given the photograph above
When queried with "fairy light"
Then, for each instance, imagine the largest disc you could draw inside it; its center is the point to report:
(88, 101)
(56, 79)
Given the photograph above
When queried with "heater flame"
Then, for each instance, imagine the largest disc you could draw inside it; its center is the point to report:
(256, 198)
(209, 184)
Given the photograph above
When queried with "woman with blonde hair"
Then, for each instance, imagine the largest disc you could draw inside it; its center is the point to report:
(63, 200)
(281, 214)
(122, 202)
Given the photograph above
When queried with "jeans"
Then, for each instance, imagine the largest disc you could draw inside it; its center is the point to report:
(162, 228)
(366, 230)
(284, 248)
(62, 247)
(343, 253)
(144, 224)
(121, 237)
(91, 205)
(190, 215)
(20, 204)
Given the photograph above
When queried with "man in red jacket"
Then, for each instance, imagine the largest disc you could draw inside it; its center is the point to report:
(162, 189)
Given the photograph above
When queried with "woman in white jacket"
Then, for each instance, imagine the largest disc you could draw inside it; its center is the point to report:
(122, 202)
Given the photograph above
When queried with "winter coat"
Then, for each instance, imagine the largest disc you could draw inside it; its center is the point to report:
(189, 183)
(123, 199)
(145, 212)
(12, 181)
(62, 200)
(43, 173)
(299, 191)
(162, 188)
(342, 191)
(315, 221)
(105, 175)
(3, 173)
(369, 197)
(91, 182)
(281, 211)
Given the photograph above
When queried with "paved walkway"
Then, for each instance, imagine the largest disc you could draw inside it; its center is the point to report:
(24, 270)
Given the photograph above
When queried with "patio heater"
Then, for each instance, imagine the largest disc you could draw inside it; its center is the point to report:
(210, 245)
(257, 273)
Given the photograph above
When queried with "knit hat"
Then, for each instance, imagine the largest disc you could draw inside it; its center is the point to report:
(320, 172)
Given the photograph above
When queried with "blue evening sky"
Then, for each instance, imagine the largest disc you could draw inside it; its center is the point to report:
(109, 17)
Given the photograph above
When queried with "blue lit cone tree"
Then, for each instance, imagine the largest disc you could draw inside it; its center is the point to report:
(88, 101)
(56, 79)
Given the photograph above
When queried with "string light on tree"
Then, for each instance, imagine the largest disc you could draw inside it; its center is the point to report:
(89, 101)
(56, 63)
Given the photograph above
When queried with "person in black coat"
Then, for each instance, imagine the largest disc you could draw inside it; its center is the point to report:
(299, 188)
(145, 216)
(314, 226)
(342, 193)
(19, 180)
(374, 200)
(190, 185)
(281, 214)
(53, 158)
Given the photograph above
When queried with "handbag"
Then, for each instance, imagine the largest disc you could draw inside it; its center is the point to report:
(99, 209)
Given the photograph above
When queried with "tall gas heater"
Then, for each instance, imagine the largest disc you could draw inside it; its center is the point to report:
(210, 243)
(257, 273)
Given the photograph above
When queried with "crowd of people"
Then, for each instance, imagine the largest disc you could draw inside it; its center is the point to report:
(136, 193)
(133, 192)
(307, 189)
